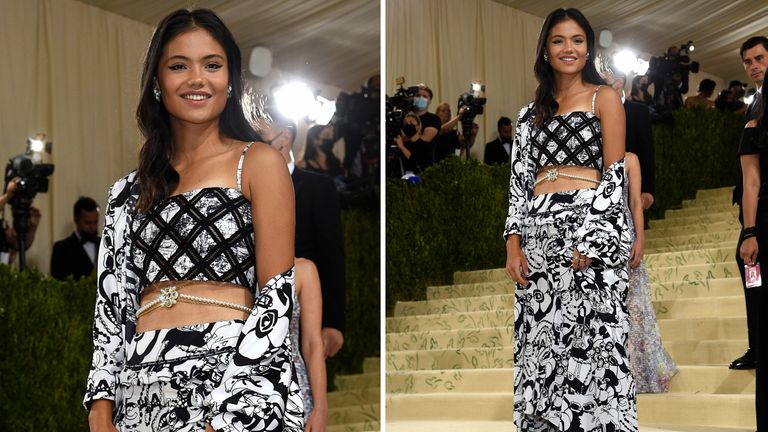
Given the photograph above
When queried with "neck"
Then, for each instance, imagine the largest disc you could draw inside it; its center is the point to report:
(567, 84)
(193, 141)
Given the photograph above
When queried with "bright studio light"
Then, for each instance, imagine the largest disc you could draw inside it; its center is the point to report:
(36, 145)
(325, 110)
(625, 61)
(476, 87)
(295, 100)
(642, 66)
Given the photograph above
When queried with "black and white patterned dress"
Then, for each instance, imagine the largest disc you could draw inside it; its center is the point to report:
(571, 368)
(235, 375)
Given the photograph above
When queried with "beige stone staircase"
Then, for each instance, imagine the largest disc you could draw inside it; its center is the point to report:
(449, 358)
(355, 406)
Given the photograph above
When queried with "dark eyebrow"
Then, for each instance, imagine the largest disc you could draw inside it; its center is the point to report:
(576, 35)
(185, 58)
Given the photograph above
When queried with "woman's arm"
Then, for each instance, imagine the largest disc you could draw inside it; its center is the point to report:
(517, 265)
(402, 147)
(634, 177)
(610, 110)
(257, 387)
(311, 301)
(450, 124)
(428, 134)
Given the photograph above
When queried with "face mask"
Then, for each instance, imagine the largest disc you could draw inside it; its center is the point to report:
(327, 145)
(409, 130)
(420, 103)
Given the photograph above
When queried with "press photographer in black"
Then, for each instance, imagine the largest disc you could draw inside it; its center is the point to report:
(669, 75)
(9, 244)
(415, 154)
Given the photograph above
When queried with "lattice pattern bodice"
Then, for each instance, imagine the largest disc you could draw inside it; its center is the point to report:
(568, 139)
(203, 234)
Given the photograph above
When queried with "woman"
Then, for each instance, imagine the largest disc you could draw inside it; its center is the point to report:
(639, 92)
(449, 141)
(306, 326)
(416, 153)
(651, 366)
(318, 154)
(753, 153)
(196, 270)
(706, 90)
(568, 242)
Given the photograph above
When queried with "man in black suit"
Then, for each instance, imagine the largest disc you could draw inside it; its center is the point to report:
(77, 254)
(498, 150)
(754, 57)
(319, 236)
(639, 138)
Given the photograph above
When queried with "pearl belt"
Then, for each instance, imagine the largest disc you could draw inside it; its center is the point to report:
(553, 174)
(169, 296)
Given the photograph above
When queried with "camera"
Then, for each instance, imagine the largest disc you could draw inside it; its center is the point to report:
(357, 121)
(396, 107)
(32, 178)
(473, 104)
(669, 75)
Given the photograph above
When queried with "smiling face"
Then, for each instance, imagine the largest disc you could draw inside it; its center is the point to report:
(567, 47)
(193, 77)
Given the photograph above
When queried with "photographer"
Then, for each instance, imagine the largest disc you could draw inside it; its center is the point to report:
(706, 90)
(430, 123)
(9, 244)
(450, 140)
(670, 75)
(415, 153)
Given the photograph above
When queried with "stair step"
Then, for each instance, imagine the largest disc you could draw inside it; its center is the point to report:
(695, 288)
(693, 329)
(447, 339)
(706, 202)
(712, 380)
(366, 413)
(701, 307)
(357, 381)
(443, 426)
(708, 352)
(725, 238)
(454, 380)
(371, 365)
(692, 211)
(724, 225)
(689, 247)
(699, 219)
(366, 426)
(727, 269)
(466, 358)
(724, 192)
(471, 290)
(451, 406)
(369, 395)
(679, 258)
(713, 410)
(455, 305)
(479, 276)
(465, 320)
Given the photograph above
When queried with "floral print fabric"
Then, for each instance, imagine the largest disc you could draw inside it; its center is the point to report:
(571, 366)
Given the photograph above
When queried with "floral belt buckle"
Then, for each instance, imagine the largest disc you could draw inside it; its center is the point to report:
(552, 174)
(168, 296)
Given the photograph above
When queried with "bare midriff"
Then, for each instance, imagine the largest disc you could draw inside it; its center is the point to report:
(185, 313)
(561, 183)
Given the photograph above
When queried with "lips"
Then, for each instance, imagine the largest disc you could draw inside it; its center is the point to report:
(567, 59)
(196, 96)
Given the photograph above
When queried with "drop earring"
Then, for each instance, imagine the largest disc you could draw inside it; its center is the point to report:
(156, 93)
(587, 55)
(546, 58)
(229, 90)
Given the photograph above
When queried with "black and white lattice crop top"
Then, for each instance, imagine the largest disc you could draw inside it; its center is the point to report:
(572, 138)
(203, 234)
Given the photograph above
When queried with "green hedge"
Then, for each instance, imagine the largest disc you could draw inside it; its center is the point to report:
(453, 220)
(45, 334)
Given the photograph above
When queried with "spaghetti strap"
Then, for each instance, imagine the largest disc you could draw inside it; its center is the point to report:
(240, 167)
(594, 96)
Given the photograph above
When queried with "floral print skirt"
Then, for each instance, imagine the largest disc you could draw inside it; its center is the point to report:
(571, 367)
(169, 373)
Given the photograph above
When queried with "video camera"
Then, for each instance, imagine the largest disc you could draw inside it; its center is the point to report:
(669, 75)
(32, 176)
(473, 105)
(396, 107)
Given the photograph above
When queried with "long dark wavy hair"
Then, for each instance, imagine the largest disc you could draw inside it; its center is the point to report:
(545, 106)
(157, 178)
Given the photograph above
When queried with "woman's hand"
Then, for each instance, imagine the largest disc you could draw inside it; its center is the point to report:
(636, 254)
(100, 416)
(209, 428)
(517, 265)
(580, 261)
(748, 251)
(316, 420)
